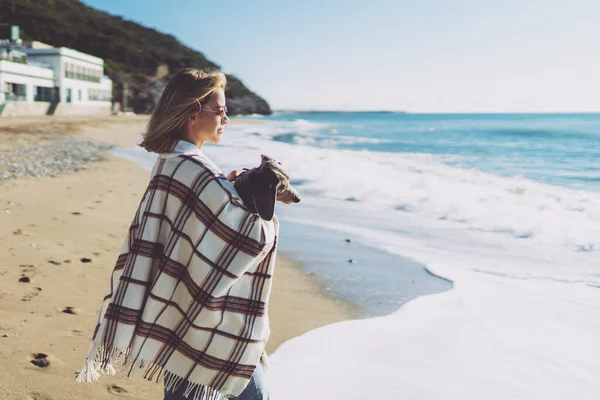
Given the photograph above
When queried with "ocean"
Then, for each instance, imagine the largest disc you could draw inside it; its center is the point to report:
(471, 244)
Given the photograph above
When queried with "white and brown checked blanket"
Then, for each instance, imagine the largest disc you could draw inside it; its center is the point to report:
(188, 296)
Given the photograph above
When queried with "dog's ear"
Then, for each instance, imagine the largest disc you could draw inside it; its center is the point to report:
(265, 158)
(264, 200)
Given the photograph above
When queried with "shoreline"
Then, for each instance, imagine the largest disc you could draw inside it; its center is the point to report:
(375, 282)
(49, 224)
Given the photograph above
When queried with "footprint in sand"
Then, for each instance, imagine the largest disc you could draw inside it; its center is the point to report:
(39, 396)
(116, 389)
(71, 310)
(27, 267)
(30, 296)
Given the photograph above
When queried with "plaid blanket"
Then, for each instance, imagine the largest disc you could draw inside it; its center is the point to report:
(188, 296)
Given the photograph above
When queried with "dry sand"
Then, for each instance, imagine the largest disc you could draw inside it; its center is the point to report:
(48, 225)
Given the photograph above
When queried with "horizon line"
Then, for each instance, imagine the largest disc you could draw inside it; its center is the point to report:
(429, 112)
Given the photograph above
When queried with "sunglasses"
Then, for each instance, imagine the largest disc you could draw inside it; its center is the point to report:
(222, 112)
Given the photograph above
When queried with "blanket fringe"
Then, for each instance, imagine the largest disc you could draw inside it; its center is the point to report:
(105, 360)
(88, 373)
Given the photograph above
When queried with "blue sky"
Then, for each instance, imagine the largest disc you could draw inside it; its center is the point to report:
(418, 55)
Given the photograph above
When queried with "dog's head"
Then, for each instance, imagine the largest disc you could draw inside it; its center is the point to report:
(262, 186)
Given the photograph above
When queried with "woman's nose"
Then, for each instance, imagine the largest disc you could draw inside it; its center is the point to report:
(225, 119)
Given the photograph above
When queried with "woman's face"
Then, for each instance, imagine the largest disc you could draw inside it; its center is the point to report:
(208, 124)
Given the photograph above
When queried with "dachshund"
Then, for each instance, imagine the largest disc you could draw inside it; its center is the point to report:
(260, 187)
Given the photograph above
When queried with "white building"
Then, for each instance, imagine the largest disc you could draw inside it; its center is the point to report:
(23, 82)
(37, 79)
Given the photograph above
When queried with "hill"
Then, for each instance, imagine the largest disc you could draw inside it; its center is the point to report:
(141, 57)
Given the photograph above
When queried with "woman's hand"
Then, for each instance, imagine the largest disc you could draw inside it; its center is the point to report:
(233, 175)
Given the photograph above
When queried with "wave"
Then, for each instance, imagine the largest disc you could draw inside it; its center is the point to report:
(539, 133)
(328, 141)
(427, 187)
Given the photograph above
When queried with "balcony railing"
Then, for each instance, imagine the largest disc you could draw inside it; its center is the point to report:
(39, 64)
(82, 77)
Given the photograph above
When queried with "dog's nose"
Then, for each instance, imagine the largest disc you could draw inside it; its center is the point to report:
(296, 199)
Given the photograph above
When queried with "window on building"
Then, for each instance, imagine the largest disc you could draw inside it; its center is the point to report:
(99, 95)
(68, 96)
(43, 93)
(15, 91)
(82, 73)
(68, 70)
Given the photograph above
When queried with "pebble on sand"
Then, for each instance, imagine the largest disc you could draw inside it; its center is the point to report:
(60, 157)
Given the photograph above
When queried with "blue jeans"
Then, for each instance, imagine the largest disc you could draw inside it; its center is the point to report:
(256, 389)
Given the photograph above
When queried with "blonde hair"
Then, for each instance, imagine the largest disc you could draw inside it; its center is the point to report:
(183, 96)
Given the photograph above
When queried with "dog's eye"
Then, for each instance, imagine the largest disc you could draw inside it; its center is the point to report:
(281, 189)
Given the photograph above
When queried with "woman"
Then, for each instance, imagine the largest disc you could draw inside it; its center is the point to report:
(187, 300)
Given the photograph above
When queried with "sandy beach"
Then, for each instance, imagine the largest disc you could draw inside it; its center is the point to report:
(59, 237)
